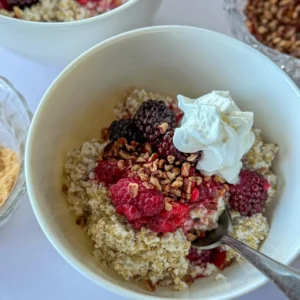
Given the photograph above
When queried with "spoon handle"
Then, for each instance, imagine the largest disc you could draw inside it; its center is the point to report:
(285, 278)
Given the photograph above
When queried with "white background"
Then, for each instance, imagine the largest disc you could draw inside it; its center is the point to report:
(30, 268)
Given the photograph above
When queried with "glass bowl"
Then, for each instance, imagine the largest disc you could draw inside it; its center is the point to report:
(237, 18)
(15, 118)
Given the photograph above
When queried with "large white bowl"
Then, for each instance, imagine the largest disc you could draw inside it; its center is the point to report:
(61, 42)
(171, 60)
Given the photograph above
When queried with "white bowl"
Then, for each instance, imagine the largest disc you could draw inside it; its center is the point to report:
(171, 60)
(61, 42)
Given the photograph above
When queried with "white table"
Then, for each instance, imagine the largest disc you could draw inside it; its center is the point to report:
(30, 268)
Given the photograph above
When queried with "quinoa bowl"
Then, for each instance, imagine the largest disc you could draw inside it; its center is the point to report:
(215, 62)
(56, 34)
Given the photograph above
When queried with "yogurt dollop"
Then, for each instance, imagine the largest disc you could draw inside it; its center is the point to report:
(216, 126)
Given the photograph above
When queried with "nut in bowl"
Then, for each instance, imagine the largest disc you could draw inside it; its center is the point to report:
(15, 120)
(270, 27)
(148, 160)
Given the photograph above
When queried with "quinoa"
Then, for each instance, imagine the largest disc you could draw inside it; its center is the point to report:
(144, 255)
(59, 10)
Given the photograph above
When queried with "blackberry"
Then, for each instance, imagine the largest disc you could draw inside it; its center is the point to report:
(21, 3)
(250, 195)
(150, 115)
(125, 128)
(165, 147)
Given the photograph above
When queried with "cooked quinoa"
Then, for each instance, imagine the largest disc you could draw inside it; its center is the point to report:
(56, 11)
(145, 255)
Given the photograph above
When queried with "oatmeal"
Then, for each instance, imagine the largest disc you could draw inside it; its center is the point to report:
(9, 170)
(56, 10)
(142, 201)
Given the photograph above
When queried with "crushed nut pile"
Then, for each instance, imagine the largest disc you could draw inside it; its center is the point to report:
(142, 209)
(275, 23)
(9, 170)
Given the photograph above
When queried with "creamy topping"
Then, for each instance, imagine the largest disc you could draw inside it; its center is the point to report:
(215, 125)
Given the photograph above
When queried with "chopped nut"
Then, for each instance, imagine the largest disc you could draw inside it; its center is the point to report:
(105, 134)
(148, 185)
(167, 188)
(191, 237)
(192, 158)
(168, 206)
(133, 189)
(124, 155)
(166, 181)
(185, 169)
(177, 184)
(163, 127)
(171, 159)
(153, 167)
(157, 174)
(192, 179)
(121, 165)
(148, 148)
(156, 183)
(175, 192)
(141, 160)
(144, 177)
(171, 176)
(161, 163)
(207, 178)
(150, 286)
(154, 157)
(168, 167)
(199, 180)
(179, 178)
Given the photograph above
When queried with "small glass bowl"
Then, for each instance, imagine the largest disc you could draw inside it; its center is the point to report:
(237, 18)
(15, 118)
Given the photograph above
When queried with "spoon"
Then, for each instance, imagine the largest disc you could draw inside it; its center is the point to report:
(285, 278)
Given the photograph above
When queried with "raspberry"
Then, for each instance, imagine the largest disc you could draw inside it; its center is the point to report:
(169, 221)
(124, 128)
(250, 195)
(110, 171)
(150, 115)
(133, 200)
(165, 147)
(21, 3)
(4, 5)
(201, 259)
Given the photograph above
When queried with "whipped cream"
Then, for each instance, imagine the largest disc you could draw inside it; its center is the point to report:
(215, 125)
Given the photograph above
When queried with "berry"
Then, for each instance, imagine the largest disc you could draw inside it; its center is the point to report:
(150, 115)
(109, 171)
(124, 128)
(219, 258)
(165, 147)
(250, 195)
(133, 200)
(200, 259)
(21, 3)
(169, 221)
(4, 5)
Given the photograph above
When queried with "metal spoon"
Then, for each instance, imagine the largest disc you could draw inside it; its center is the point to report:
(285, 278)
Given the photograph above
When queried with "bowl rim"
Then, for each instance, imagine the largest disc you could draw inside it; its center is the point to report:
(80, 267)
(7, 209)
(102, 16)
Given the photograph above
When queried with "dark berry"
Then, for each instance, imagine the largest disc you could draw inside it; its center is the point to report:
(21, 3)
(250, 195)
(109, 171)
(200, 258)
(150, 115)
(165, 147)
(124, 128)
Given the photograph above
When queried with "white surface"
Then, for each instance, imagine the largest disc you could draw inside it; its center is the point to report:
(30, 268)
(59, 42)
